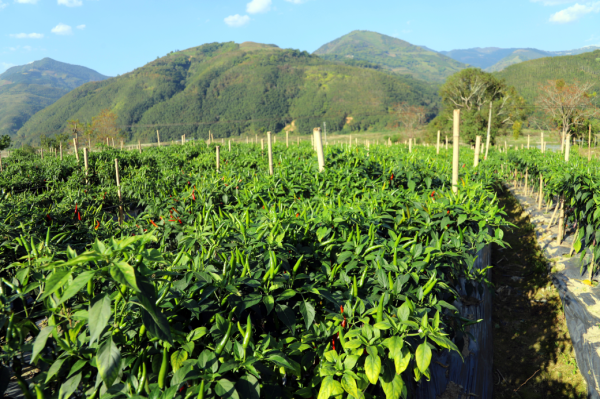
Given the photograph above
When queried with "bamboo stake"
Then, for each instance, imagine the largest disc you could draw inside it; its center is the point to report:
(158, 137)
(541, 196)
(574, 238)
(61, 158)
(561, 220)
(270, 150)
(319, 148)
(119, 191)
(121, 145)
(140, 146)
(487, 142)
(409, 145)
(567, 147)
(182, 140)
(75, 149)
(553, 215)
(262, 144)
(526, 180)
(287, 139)
(590, 144)
(455, 154)
(85, 163)
(230, 145)
(477, 145)
(218, 158)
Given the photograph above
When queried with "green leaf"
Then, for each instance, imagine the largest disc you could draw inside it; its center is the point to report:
(384, 325)
(124, 273)
(401, 362)
(461, 219)
(283, 361)
(330, 387)
(354, 344)
(99, 314)
(40, 342)
(108, 361)
(55, 281)
(156, 323)
(392, 384)
(308, 313)
(225, 389)
(423, 357)
(350, 361)
(286, 315)
(197, 334)
(349, 385)
(248, 387)
(208, 360)
(177, 359)
(55, 368)
(69, 387)
(76, 286)
(269, 303)
(373, 368)
(285, 295)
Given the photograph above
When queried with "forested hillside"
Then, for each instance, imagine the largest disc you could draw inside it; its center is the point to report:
(26, 89)
(527, 76)
(231, 89)
(391, 54)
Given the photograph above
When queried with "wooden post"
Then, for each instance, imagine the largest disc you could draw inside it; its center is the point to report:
(158, 137)
(349, 140)
(438, 143)
(477, 145)
(319, 148)
(247, 140)
(270, 150)
(121, 145)
(274, 139)
(60, 146)
(85, 163)
(409, 145)
(140, 146)
(182, 140)
(590, 143)
(455, 148)
(298, 140)
(42, 152)
(119, 191)
(526, 179)
(229, 145)
(262, 144)
(567, 147)
(75, 149)
(113, 141)
(287, 139)
(489, 129)
(107, 141)
(218, 158)
(541, 195)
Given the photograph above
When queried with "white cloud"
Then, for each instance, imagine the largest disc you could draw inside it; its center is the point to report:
(2, 5)
(237, 20)
(296, 1)
(81, 26)
(575, 12)
(27, 1)
(62, 29)
(554, 2)
(26, 35)
(70, 3)
(258, 6)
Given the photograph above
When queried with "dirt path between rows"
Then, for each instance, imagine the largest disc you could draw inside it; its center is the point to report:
(533, 353)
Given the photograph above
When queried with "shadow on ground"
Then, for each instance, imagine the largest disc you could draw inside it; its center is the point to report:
(533, 354)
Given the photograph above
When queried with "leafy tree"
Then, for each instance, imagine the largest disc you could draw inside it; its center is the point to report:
(4, 142)
(516, 129)
(472, 90)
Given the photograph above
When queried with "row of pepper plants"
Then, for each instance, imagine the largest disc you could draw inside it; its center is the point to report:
(577, 181)
(234, 283)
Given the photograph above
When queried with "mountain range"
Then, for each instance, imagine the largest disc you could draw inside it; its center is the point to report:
(27, 89)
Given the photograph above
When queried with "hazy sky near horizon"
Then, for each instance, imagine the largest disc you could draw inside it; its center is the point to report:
(115, 37)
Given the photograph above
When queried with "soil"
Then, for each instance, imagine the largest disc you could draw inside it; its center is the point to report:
(533, 353)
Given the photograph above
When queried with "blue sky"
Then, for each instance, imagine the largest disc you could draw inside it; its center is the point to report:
(115, 37)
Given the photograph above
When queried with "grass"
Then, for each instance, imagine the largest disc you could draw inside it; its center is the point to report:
(530, 336)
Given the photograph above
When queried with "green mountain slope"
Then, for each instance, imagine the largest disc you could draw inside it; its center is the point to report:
(26, 89)
(392, 54)
(516, 57)
(233, 89)
(479, 57)
(527, 76)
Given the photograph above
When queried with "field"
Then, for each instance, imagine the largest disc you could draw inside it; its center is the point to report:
(237, 283)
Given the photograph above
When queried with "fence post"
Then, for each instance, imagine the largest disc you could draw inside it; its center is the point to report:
(567, 147)
(437, 151)
(287, 139)
(455, 148)
(218, 154)
(60, 145)
(477, 146)
(319, 148)
(270, 150)
(158, 137)
(119, 191)
(229, 145)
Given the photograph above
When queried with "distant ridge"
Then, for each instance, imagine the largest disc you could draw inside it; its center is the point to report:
(26, 89)
(391, 54)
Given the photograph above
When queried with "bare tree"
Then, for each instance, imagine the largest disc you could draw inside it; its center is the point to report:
(568, 105)
(411, 116)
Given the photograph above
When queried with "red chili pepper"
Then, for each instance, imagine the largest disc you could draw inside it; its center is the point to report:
(341, 309)
(297, 214)
(432, 193)
(97, 225)
(48, 218)
(344, 323)
(79, 216)
(154, 224)
(193, 196)
(447, 212)
(75, 207)
(333, 343)
(179, 220)
(392, 178)
(172, 220)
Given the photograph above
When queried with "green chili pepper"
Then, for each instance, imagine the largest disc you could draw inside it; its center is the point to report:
(390, 280)
(247, 336)
(39, 394)
(342, 338)
(90, 289)
(297, 265)
(9, 328)
(379, 318)
(142, 380)
(223, 342)
(201, 393)
(362, 278)
(354, 287)
(164, 366)
(142, 331)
